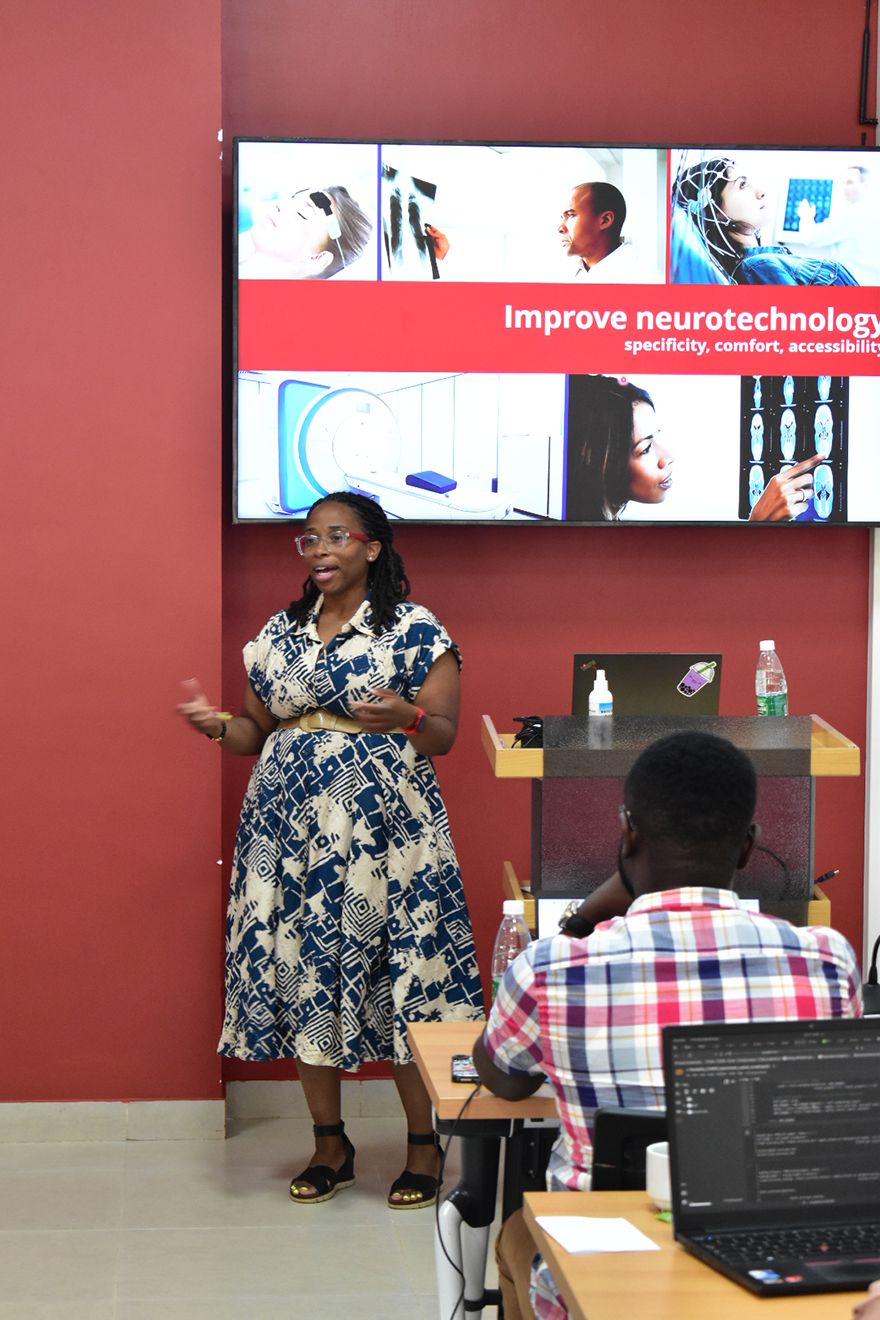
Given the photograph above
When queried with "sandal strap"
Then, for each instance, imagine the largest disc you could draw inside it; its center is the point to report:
(319, 1176)
(422, 1139)
(415, 1182)
(328, 1130)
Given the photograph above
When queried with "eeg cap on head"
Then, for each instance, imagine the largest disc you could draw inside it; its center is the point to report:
(694, 790)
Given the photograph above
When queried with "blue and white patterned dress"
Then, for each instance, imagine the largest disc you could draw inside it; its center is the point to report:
(347, 917)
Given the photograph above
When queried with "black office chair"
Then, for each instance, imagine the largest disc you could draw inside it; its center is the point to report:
(620, 1138)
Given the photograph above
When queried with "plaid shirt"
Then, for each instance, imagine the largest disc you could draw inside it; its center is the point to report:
(589, 1012)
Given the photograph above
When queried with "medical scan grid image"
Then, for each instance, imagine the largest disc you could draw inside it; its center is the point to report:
(785, 420)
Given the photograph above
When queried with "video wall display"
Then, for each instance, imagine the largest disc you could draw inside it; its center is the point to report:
(583, 334)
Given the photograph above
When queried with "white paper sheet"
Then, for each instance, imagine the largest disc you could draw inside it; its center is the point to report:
(584, 1233)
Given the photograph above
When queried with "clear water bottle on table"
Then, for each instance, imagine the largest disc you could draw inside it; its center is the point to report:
(770, 686)
(513, 936)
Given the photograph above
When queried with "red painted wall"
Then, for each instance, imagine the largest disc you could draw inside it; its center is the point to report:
(520, 601)
(112, 897)
(110, 271)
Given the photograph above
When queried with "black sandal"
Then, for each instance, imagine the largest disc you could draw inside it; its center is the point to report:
(426, 1188)
(326, 1181)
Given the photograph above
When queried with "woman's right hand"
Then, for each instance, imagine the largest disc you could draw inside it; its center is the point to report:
(198, 711)
(787, 494)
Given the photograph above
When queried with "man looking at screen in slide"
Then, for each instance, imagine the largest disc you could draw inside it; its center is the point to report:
(590, 228)
(852, 231)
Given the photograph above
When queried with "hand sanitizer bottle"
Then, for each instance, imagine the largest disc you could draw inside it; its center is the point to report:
(601, 701)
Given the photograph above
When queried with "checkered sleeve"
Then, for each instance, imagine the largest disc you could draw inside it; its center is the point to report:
(512, 1036)
(843, 976)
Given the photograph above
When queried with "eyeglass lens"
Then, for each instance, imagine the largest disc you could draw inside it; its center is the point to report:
(332, 541)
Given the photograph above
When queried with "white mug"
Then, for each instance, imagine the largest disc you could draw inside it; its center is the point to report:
(657, 1174)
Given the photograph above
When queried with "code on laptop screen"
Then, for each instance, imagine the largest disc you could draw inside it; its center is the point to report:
(779, 1120)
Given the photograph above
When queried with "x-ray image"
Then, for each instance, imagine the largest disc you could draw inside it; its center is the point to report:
(785, 420)
(407, 206)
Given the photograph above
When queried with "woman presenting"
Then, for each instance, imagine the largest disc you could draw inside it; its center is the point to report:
(347, 917)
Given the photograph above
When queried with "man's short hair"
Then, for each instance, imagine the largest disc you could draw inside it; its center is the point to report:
(858, 169)
(693, 789)
(605, 197)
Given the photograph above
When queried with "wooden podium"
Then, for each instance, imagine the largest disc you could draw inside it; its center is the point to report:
(577, 787)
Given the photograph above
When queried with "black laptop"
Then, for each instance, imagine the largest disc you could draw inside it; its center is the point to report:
(774, 1141)
(650, 682)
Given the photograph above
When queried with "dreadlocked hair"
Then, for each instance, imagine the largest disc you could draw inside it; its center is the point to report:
(387, 583)
(697, 190)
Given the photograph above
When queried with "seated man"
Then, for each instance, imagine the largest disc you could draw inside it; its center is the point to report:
(588, 1010)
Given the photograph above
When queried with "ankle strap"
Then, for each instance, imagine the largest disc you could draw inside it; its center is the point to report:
(421, 1138)
(328, 1129)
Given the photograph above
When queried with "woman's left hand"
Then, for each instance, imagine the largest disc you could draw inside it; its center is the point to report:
(437, 697)
(387, 711)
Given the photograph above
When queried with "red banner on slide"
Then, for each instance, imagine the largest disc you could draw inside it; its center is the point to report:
(290, 325)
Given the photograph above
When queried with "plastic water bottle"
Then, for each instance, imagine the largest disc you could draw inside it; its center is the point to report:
(770, 685)
(513, 936)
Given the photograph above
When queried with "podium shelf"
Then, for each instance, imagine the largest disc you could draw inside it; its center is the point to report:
(831, 753)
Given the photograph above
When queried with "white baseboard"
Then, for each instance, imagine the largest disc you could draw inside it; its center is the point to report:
(113, 1120)
(375, 1098)
(183, 1120)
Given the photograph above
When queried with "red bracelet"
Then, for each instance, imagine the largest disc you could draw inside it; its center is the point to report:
(418, 722)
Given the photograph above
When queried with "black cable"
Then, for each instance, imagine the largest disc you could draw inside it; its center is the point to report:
(872, 972)
(444, 1151)
(866, 55)
(759, 847)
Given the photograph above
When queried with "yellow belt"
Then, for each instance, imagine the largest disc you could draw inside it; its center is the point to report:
(313, 720)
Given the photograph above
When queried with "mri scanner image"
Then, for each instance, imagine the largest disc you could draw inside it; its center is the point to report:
(442, 447)
(785, 420)
(774, 217)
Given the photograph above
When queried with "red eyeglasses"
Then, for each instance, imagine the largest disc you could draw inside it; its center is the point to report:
(336, 540)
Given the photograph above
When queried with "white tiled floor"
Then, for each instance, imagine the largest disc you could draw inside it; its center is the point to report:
(205, 1230)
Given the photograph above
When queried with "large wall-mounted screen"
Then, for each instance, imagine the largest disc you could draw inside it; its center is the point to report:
(581, 334)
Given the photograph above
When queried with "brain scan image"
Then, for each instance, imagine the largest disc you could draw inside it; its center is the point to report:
(758, 436)
(756, 485)
(757, 395)
(788, 390)
(823, 490)
(787, 428)
(824, 387)
(823, 425)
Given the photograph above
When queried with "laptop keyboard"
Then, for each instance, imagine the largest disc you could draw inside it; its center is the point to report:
(805, 1244)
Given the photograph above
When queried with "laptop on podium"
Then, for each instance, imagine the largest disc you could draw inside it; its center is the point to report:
(774, 1142)
(650, 682)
